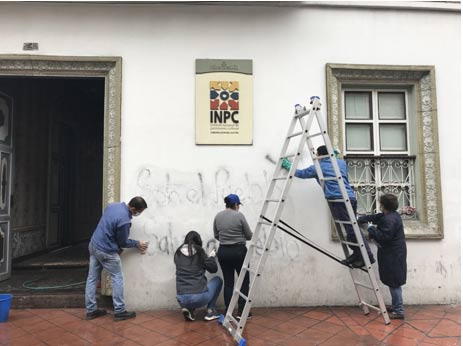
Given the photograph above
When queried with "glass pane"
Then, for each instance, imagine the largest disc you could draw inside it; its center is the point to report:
(358, 105)
(359, 137)
(393, 137)
(391, 105)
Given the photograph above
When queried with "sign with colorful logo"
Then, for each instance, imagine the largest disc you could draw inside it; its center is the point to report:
(223, 101)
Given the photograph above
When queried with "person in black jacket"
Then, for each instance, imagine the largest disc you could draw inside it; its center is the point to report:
(392, 249)
(193, 290)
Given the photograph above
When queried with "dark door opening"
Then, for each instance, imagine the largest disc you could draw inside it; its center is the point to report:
(57, 171)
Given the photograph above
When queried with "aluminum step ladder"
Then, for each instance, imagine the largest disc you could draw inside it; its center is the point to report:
(311, 128)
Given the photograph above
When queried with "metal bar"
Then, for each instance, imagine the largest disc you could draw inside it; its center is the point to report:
(295, 134)
(371, 306)
(349, 243)
(285, 156)
(363, 285)
(343, 222)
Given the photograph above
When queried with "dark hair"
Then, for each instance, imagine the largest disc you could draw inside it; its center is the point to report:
(389, 202)
(193, 240)
(321, 150)
(229, 204)
(138, 203)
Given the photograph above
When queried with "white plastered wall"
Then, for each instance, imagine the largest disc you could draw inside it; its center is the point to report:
(184, 184)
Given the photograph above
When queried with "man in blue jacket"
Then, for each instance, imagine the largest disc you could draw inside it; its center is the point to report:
(338, 209)
(109, 238)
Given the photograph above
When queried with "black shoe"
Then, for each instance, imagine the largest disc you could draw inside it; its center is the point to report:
(358, 263)
(389, 309)
(396, 316)
(95, 314)
(124, 315)
(349, 260)
(238, 317)
(188, 314)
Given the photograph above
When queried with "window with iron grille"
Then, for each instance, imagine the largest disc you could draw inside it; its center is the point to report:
(383, 118)
(377, 148)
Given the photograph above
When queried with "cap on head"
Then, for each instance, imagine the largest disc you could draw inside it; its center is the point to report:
(232, 199)
(321, 150)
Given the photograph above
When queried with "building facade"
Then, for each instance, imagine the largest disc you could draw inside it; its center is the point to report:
(388, 75)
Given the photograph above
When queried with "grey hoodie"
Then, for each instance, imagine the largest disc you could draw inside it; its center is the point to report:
(190, 270)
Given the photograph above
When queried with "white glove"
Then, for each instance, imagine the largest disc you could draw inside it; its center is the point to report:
(212, 253)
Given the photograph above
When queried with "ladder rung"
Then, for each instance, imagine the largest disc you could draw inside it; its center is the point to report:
(280, 178)
(345, 222)
(273, 200)
(252, 271)
(315, 135)
(335, 200)
(321, 157)
(265, 223)
(330, 178)
(295, 134)
(302, 114)
(241, 295)
(363, 285)
(370, 306)
(230, 317)
(287, 155)
(349, 243)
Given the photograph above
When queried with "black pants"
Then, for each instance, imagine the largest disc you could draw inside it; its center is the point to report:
(231, 258)
(339, 211)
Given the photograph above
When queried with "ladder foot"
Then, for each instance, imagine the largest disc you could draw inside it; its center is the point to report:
(242, 342)
(220, 320)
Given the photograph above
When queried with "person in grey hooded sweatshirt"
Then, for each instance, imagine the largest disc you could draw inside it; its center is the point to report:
(193, 290)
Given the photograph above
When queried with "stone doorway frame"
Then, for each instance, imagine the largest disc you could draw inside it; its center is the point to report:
(109, 68)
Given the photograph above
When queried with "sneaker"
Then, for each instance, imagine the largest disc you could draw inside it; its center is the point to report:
(124, 315)
(211, 315)
(188, 314)
(396, 316)
(95, 314)
(238, 317)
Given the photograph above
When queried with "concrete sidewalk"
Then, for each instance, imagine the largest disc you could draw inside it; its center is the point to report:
(427, 325)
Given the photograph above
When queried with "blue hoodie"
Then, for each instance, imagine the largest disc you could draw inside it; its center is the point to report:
(331, 190)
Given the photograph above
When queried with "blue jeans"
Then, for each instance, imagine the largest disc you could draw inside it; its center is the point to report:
(397, 302)
(112, 263)
(193, 301)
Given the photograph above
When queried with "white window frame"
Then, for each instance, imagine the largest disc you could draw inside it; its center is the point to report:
(375, 121)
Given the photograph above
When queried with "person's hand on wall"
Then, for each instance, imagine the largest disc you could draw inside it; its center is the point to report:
(212, 253)
(143, 246)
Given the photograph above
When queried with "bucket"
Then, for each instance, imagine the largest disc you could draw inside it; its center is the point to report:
(5, 304)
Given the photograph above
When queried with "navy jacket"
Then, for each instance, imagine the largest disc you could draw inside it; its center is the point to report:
(392, 249)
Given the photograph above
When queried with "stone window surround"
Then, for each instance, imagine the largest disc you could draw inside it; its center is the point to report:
(422, 79)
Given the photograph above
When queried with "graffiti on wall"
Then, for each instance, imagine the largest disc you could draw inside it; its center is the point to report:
(179, 202)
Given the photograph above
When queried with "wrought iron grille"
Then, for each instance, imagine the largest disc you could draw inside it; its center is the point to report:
(373, 176)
